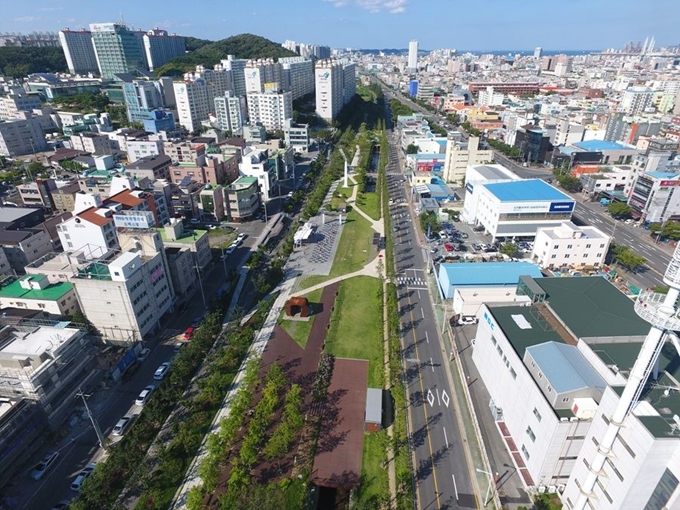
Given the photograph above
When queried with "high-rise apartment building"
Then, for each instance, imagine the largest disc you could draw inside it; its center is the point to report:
(195, 96)
(229, 111)
(538, 52)
(335, 86)
(636, 100)
(23, 136)
(118, 49)
(413, 56)
(271, 109)
(142, 97)
(236, 67)
(259, 72)
(161, 47)
(78, 50)
(297, 75)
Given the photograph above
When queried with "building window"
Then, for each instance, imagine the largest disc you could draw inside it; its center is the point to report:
(554, 257)
(556, 247)
(566, 255)
(513, 373)
(540, 375)
(625, 445)
(525, 452)
(569, 247)
(549, 389)
(568, 458)
(599, 484)
(531, 434)
(565, 400)
(587, 246)
(605, 419)
(573, 438)
(616, 471)
(537, 415)
(663, 491)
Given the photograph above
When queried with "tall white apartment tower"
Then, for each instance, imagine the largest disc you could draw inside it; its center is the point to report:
(161, 47)
(538, 52)
(229, 111)
(271, 109)
(195, 96)
(237, 68)
(413, 56)
(349, 82)
(79, 51)
(329, 80)
(261, 71)
(297, 75)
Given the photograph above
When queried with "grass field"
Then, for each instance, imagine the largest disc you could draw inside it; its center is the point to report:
(375, 486)
(299, 330)
(369, 202)
(354, 250)
(356, 329)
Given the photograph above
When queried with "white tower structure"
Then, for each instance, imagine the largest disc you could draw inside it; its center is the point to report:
(661, 311)
(413, 56)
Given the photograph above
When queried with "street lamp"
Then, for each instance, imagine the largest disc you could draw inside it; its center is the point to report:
(200, 284)
(95, 425)
(488, 490)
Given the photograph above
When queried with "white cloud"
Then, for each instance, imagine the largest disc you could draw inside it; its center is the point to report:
(393, 6)
(27, 19)
(51, 9)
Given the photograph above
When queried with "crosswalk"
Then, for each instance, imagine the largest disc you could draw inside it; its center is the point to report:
(405, 280)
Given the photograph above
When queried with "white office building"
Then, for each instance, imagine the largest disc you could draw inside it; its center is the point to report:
(271, 109)
(653, 197)
(570, 245)
(230, 112)
(79, 51)
(262, 71)
(516, 208)
(17, 101)
(335, 86)
(413, 56)
(297, 76)
(491, 98)
(160, 47)
(296, 136)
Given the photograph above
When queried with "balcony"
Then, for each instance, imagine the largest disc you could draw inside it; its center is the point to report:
(651, 308)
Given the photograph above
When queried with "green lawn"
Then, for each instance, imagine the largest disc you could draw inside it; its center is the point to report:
(375, 486)
(299, 330)
(356, 329)
(370, 204)
(220, 238)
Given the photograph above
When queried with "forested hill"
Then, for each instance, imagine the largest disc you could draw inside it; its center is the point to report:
(241, 46)
(18, 62)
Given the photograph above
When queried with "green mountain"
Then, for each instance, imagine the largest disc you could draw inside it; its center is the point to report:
(241, 46)
(18, 62)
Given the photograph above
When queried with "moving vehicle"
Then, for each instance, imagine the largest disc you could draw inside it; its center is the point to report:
(143, 354)
(122, 425)
(160, 372)
(145, 395)
(44, 465)
(82, 476)
(230, 250)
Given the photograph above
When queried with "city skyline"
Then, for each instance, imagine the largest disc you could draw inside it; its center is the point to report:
(377, 24)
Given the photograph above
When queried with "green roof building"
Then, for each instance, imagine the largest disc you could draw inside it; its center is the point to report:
(35, 292)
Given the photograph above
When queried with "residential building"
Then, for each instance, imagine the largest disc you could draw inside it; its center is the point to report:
(489, 97)
(211, 205)
(296, 135)
(91, 232)
(144, 97)
(461, 154)
(20, 137)
(260, 72)
(516, 208)
(243, 198)
(208, 169)
(183, 272)
(271, 109)
(64, 197)
(79, 51)
(141, 149)
(23, 246)
(653, 197)
(17, 218)
(118, 49)
(570, 245)
(47, 365)
(636, 100)
(126, 297)
(17, 101)
(38, 193)
(184, 152)
(35, 292)
(174, 235)
(195, 95)
(413, 56)
(335, 86)
(150, 167)
(254, 133)
(297, 76)
(230, 112)
(92, 143)
(568, 132)
(257, 163)
(425, 92)
(161, 47)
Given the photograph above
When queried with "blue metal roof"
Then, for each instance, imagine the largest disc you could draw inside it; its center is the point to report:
(662, 175)
(565, 368)
(488, 273)
(534, 190)
(599, 145)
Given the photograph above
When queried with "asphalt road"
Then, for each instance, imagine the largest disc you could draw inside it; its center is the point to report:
(442, 473)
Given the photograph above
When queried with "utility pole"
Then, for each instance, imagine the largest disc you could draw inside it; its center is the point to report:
(200, 285)
(97, 430)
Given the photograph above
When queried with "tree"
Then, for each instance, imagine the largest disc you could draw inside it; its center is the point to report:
(429, 222)
(412, 149)
(668, 230)
(509, 249)
(569, 183)
(625, 257)
(619, 210)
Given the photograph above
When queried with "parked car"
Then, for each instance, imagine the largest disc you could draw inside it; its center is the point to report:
(463, 235)
(448, 247)
(178, 347)
(160, 372)
(188, 333)
(122, 425)
(62, 505)
(44, 465)
(145, 395)
(230, 250)
(143, 354)
(241, 237)
(82, 476)
(462, 321)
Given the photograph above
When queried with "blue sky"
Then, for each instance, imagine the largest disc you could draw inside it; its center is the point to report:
(476, 25)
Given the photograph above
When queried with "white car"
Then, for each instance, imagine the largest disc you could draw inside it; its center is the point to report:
(145, 395)
(122, 425)
(241, 237)
(45, 463)
(463, 321)
(87, 471)
(160, 372)
(143, 354)
(230, 250)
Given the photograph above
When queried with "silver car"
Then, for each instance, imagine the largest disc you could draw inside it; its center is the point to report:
(44, 465)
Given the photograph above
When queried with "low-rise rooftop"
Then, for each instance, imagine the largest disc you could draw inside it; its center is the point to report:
(188, 236)
(524, 327)
(52, 292)
(529, 190)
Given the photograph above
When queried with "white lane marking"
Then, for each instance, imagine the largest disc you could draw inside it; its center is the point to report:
(446, 438)
(432, 367)
(430, 397)
(422, 312)
(438, 401)
(427, 338)
(419, 294)
(455, 487)
(445, 398)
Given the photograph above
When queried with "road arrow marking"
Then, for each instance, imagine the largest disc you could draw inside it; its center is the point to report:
(445, 398)
(430, 397)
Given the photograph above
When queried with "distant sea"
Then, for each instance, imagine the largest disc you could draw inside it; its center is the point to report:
(393, 51)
